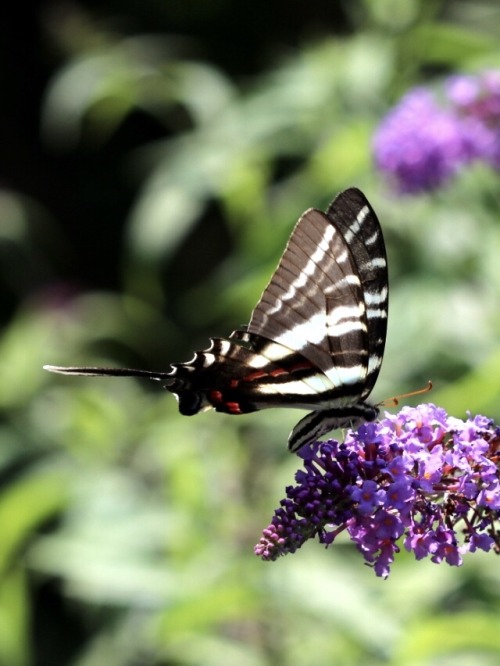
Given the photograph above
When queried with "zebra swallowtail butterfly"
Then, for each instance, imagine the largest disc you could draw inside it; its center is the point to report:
(315, 339)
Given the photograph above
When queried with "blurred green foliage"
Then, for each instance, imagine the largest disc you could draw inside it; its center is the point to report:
(127, 530)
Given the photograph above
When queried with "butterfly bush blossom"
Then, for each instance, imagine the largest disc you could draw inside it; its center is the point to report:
(420, 477)
(429, 137)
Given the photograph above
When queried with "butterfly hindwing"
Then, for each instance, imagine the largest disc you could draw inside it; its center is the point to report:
(245, 374)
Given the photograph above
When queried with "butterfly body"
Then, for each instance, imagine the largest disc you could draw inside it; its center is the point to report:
(315, 339)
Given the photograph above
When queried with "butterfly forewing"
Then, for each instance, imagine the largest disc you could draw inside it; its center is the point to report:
(355, 218)
(328, 297)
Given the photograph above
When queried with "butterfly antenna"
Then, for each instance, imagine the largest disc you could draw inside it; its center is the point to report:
(394, 401)
(107, 372)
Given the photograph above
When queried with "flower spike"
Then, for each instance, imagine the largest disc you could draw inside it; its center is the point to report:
(420, 478)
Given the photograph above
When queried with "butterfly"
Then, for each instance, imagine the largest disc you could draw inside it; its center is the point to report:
(315, 339)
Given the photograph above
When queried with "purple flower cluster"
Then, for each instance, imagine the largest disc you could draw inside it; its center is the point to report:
(425, 140)
(420, 475)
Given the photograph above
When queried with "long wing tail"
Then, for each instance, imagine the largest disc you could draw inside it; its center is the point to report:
(108, 372)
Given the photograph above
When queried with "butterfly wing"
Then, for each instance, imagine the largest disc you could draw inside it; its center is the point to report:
(327, 299)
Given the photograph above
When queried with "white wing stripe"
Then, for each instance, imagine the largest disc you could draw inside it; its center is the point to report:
(308, 270)
(309, 332)
(375, 297)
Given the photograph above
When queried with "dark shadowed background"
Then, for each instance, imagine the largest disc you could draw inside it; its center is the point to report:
(153, 159)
